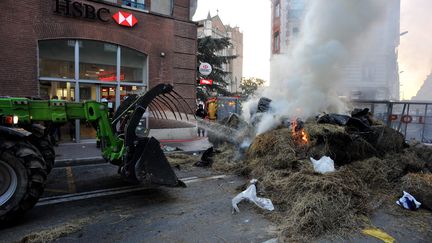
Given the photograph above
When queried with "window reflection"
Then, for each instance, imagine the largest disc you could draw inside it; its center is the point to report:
(98, 61)
(161, 6)
(132, 65)
(56, 59)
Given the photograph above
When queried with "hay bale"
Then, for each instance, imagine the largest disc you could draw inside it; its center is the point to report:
(313, 204)
(374, 172)
(380, 174)
(406, 162)
(388, 140)
(310, 204)
(182, 159)
(424, 152)
(272, 143)
(316, 130)
(274, 150)
(335, 142)
(420, 186)
(227, 159)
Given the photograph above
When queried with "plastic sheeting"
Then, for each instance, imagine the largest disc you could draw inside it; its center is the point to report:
(250, 195)
(323, 165)
(408, 201)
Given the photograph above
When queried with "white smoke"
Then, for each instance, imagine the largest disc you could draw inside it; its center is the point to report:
(304, 82)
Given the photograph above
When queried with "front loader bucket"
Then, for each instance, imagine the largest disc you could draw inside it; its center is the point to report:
(149, 164)
(144, 160)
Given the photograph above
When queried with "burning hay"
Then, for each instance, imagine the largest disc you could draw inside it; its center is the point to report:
(309, 204)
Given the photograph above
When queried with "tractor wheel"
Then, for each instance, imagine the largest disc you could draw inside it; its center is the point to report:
(46, 148)
(22, 178)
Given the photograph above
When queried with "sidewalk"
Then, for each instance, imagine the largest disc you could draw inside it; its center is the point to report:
(86, 152)
(196, 145)
(82, 153)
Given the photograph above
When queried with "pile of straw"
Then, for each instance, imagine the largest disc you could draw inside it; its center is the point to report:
(310, 204)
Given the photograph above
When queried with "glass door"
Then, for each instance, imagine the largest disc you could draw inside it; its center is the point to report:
(108, 96)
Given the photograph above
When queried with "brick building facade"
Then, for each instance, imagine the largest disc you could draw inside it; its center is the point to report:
(167, 41)
(214, 27)
(50, 47)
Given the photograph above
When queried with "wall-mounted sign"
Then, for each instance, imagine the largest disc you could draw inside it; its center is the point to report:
(125, 19)
(78, 9)
(205, 68)
(206, 81)
(81, 10)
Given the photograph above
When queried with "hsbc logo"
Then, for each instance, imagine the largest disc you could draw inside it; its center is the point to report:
(125, 19)
(76, 9)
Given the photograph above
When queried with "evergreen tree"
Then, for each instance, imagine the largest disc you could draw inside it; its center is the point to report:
(209, 50)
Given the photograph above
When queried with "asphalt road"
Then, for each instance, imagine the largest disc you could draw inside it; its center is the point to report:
(91, 203)
(199, 213)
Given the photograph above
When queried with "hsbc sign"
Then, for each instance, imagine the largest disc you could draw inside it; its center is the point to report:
(125, 19)
(78, 9)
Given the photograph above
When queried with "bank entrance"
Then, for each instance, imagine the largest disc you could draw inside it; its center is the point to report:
(80, 70)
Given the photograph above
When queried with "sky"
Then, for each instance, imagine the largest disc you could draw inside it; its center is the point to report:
(415, 50)
(253, 18)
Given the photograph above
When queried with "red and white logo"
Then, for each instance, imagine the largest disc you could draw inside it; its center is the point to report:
(125, 19)
(206, 81)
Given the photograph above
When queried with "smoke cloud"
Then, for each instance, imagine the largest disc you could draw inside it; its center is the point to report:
(304, 79)
(415, 50)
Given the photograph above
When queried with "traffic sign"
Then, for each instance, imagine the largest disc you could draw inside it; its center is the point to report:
(205, 68)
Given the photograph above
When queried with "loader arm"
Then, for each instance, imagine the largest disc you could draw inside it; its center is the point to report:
(140, 158)
(28, 111)
(27, 155)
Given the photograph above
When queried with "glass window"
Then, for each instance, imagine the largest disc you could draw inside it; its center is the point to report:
(295, 31)
(97, 61)
(276, 42)
(134, 3)
(161, 6)
(108, 92)
(56, 58)
(125, 91)
(57, 90)
(87, 92)
(277, 10)
(368, 71)
(133, 64)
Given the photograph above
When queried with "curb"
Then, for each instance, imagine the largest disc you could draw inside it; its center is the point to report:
(79, 161)
(99, 160)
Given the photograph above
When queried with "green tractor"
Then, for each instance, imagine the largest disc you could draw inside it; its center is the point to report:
(27, 155)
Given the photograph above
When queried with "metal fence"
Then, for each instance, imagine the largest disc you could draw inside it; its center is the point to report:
(412, 119)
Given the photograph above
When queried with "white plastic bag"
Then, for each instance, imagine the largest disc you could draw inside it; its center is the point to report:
(408, 201)
(323, 165)
(250, 195)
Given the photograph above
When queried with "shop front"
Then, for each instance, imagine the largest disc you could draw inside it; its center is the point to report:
(96, 50)
(89, 70)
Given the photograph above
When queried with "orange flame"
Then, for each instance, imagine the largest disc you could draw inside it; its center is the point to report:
(298, 133)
